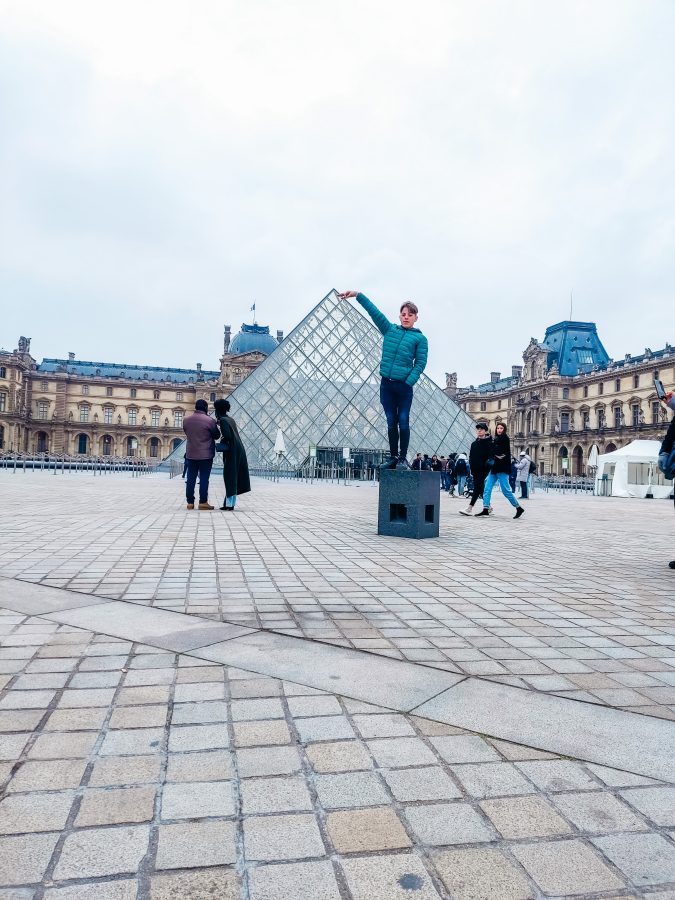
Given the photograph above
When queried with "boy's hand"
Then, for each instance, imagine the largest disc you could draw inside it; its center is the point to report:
(347, 294)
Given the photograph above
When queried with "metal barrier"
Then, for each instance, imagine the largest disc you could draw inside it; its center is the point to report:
(311, 472)
(104, 466)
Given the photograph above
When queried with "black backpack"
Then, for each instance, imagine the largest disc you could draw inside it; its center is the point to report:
(461, 467)
(533, 468)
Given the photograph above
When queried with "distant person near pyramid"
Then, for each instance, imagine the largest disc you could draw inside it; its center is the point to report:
(404, 356)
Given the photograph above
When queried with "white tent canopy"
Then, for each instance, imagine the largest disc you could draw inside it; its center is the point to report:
(633, 469)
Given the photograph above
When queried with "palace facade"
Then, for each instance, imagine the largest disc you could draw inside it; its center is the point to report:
(568, 397)
(74, 407)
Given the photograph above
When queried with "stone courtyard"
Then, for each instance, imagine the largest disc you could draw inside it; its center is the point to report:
(278, 703)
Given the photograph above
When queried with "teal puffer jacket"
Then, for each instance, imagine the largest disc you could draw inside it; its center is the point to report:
(404, 350)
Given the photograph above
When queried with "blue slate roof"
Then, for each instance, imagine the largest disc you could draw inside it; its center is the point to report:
(575, 347)
(252, 338)
(121, 370)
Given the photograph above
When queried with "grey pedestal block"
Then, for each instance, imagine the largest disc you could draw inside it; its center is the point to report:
(409, 503)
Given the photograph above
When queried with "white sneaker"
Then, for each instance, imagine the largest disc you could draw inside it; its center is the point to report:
(466, 512)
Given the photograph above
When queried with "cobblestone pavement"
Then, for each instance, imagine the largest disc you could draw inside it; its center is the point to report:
(574, 599)
(130, 772)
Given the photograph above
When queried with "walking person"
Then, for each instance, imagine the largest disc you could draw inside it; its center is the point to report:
(523, 470)
(461, 473)
(444, 473)
(201, 432)
(235, 464)
(499, 472)
(513, 474)
(480, 452)
(404, 357)
(668, 444)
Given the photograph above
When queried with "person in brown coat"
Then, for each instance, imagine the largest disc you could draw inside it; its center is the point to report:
(201, 433)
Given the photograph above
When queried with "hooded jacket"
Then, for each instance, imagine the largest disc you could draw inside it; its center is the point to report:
(404, 350)
(481, 450)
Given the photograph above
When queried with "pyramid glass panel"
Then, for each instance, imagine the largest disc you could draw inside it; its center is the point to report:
(321, 386)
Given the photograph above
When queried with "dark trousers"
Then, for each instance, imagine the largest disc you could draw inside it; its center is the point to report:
(523, 489)
(478, 487)
(396, 399)
(201, 467)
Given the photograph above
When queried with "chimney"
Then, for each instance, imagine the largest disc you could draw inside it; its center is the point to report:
(280, 336)
(516, 371)
(71, 356)
(494, 377)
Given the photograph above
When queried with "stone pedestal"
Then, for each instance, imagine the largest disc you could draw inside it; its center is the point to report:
(409, 503)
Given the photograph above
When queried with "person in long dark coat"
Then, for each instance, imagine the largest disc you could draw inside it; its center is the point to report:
(235, 464)
(499, 471)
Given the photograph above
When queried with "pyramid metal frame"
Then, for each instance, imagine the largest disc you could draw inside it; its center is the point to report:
(321, 386)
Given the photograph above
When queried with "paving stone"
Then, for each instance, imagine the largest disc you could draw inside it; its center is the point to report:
(206, 765)
(35, 812)
(359, 830)
(257, 761)
(197, 800)
(616, 778)
(200, 692)
(282, 837)
(481, 874)
(598, 812)
(206, 884)
(138, 717)
(19, 720)
(98, 852)
(400, 875)
(300, 881)
(44, 680)
(121, 770)
(430, 783)
(447, 823)
(252, 734)
(198, 737)
(398, 752)
(132, 741)
(255, 687)
(340, 756)
(116, 807)
(95, 680)
(388, 725)
(492, 779)
(131, 696)
(199, 713)
(350, 789)
(324, 728)
(77, 719)
(194, 844)
(11, 745)
(464, 748)
(314, 706)
(51, 775)
(86, 698)
(646, 859)
(657, 803)
(283, 794)
(24, 859)
(27, 699)
(566, 867)
(523, 817)
(557, 775)
(102, 890)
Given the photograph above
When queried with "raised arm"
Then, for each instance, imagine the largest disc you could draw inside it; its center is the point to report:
(381, 321)
(421, 355)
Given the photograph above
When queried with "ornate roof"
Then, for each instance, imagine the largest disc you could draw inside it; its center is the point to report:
(251, 338)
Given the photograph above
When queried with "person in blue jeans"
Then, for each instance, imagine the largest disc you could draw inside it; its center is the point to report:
(499, 472)
(404, 357)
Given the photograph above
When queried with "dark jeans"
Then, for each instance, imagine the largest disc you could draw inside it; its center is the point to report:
(396, 399)
(201, 467)
(478, 486)
(523, 489)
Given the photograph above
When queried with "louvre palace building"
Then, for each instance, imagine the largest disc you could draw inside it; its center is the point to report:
(569, 396)
(73, 407)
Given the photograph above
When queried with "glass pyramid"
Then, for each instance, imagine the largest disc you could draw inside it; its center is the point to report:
(321, 386)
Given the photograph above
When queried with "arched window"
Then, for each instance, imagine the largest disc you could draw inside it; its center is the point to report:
(42, 444)
(107, 445)
(2, 437)
(176, 443)
(82, 444)
(212, 396)
(3, 372)
(154, 447)
(566, 393)
(132, 446)
(155, 395)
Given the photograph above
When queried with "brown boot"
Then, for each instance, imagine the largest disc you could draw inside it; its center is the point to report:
(190, 506)
(205, 506)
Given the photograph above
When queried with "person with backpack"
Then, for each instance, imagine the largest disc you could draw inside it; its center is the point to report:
(498, 471)
(461, 473)
(523, 473)
(667, 451)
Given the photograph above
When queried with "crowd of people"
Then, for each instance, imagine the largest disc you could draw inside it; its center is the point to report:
(489, 462)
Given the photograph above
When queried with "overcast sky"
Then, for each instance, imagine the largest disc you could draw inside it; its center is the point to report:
(163, 165)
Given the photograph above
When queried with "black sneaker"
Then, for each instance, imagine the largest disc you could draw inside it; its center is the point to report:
(483, 512)
(402, 463)
(389, 463)
(671, 564)
(519, 512)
